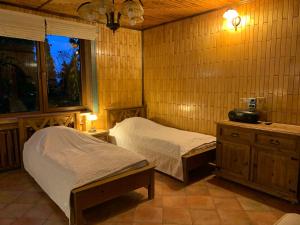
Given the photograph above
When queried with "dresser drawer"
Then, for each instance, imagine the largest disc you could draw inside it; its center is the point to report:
(275, 141)
(235, 134)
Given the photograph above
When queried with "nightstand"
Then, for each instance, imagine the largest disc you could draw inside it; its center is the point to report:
(100, 134)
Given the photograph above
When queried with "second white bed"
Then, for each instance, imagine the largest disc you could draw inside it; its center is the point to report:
(162, 145)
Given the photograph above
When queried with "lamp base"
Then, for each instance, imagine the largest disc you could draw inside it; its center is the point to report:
(92, 130)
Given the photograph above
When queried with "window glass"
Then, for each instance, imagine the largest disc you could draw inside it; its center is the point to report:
(18, 76)
(63, 71)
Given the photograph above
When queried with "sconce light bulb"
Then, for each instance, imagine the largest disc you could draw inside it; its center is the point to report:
(230, 14)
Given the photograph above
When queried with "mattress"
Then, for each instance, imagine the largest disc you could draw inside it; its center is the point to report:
(159, 144)
(61, 159)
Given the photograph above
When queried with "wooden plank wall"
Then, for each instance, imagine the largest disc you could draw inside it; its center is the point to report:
(196, 70)
(119, 66)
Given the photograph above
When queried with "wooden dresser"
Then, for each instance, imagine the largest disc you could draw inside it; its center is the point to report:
(264, 157)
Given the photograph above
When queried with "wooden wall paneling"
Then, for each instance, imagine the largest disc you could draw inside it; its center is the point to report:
(119, 63)
(196, 70)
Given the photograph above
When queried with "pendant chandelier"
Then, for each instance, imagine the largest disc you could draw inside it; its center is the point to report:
(106, 11)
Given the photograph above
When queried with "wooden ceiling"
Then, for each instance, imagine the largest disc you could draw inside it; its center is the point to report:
(156, 11)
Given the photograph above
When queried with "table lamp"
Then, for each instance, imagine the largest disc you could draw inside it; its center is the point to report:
(92, 118)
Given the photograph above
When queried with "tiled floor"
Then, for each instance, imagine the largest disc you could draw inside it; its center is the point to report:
(210, 201)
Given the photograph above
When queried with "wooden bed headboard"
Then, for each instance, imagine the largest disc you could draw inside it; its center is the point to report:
(29, 124)
(116, 115)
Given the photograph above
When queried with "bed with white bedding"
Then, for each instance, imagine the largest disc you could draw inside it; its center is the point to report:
(174, 152)
(78, 171)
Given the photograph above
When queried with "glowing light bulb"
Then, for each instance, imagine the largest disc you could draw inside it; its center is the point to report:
(230, 14)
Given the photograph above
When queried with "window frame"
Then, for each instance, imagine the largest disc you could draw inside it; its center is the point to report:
(44, 77)
(39, 82)
(43, 85)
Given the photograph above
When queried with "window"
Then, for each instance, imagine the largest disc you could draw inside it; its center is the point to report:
(29, 68)
(63, 71)
(19, 86)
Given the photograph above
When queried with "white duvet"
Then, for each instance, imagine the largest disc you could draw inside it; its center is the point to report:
(159, 144)
(61, 159)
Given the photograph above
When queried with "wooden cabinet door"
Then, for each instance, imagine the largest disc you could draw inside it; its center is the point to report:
(9, 149)
(235, 159)
(275, 170)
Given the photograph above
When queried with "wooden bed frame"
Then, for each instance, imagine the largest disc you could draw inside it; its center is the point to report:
(190, 161)
(95, 192)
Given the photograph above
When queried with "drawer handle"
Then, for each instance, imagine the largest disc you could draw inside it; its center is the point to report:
(295, 159)
(274, 142)
(235, 134)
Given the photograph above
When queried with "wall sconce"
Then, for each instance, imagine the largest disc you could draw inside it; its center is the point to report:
(92, 118)
(233, 16)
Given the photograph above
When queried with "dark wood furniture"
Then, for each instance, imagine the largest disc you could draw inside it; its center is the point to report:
(190, 161)
(98, 191)
(264, 157)
(9, 145)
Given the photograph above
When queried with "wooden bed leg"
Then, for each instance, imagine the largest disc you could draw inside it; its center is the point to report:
(151, 186)
(79, 218)
(76, 217)
(185, 171)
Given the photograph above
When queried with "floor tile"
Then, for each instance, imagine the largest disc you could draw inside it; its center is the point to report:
(200, 202)
(141, 223)
(210, 201)
(205, 217)
(29, 197)
(39, 212)
(57, 215)
(262, 218)
(124, 217)
(221, 193)
(29, 221)
(156, 202)
(197, 190)
(148, 214)
(230, 217)
(250, 204)
(176, 216)
(174, 201)
(227, 203)
(9, 196)
(6, 221)
(55, 222)
(170, 189)
(15, 210)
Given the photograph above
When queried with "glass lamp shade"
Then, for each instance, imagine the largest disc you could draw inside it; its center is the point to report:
(132, 9)
(88, 11)
(104, 6)
(106, 12)
(92, 117)
(133, 21)
(230, 14)
(95, 11)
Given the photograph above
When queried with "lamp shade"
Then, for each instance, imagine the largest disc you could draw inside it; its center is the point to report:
(92, 117)
(230, 14)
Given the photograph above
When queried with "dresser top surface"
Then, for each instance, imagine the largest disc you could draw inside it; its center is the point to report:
(274, 127)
